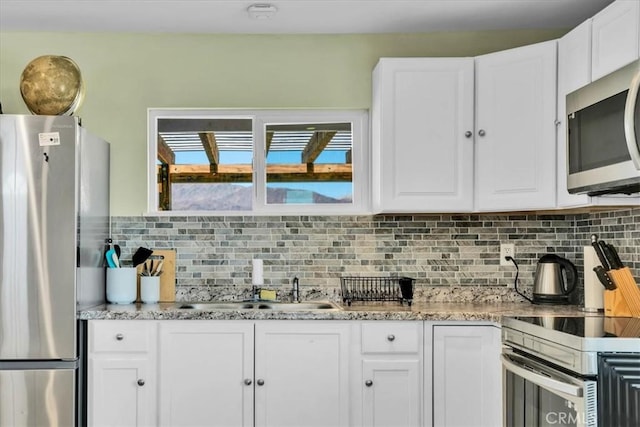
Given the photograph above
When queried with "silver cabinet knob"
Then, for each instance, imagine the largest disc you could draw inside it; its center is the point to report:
(119, 337)
(260, 382)
(247, 381)
(140, 382)
(481, 132)
(391, 337)
(368, 383)
(468, 134)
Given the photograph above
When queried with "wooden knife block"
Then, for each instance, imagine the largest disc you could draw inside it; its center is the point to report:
(615, 304)
(624, 301)
(168, 276)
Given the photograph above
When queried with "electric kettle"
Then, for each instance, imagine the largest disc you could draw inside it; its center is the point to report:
(550, 285)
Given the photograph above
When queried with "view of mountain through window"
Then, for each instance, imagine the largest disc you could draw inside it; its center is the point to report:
(309, 163)
(207, 163)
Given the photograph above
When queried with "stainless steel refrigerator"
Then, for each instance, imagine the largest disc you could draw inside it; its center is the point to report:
(54, 220)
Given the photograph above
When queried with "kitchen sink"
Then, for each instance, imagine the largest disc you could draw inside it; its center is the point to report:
(260, 305)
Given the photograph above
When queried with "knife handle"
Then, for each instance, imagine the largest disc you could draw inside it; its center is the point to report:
(605, 253)
(604, 278)
(599, 253)
(614, 255)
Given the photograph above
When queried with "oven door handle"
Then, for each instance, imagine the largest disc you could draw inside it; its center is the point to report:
(547, 379)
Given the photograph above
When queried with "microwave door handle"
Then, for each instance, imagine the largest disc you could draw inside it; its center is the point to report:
(629, 127)
(541, 380)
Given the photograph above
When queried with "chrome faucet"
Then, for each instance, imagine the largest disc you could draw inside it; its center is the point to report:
(255, 292)
(295, 292)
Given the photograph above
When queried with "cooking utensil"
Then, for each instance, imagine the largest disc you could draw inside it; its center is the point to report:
(604, 278)
(110, 246)
(141, 255)
(158, 268)
(608, 253)
(603, 249)
(109, 257)
(615, 256)
(599, 253)
(114, 258)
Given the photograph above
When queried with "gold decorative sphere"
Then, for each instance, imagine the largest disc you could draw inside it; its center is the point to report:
(52, 85)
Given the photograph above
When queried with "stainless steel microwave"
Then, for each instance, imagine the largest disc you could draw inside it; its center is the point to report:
(603, 135)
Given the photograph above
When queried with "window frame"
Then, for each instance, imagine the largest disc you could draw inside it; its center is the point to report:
(361, 158)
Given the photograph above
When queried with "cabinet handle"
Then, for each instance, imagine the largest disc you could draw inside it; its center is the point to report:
(260, 382)
(140, 382)
(247, 381)
(119, 337)
(368, 383)
(481, 132)
(391, 337)
(468, 134)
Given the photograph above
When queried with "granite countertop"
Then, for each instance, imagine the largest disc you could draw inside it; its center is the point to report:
(490, 312)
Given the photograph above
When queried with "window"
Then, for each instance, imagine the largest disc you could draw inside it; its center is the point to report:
(258, 161)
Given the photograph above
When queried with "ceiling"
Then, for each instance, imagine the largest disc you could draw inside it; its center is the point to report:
(293, 16)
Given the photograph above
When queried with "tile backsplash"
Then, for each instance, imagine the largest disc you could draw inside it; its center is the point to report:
(452, 257)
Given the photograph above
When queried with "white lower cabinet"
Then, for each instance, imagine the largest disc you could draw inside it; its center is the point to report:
(206, 373)
(388, 384)
(245, 373)
(121, 374)
(466, 375)
(391, 393)
(302, 373)
(293, 373)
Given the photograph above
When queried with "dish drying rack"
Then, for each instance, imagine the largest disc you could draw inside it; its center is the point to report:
(377, 289)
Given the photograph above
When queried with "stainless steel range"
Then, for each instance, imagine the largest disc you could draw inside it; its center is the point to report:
(571, 371)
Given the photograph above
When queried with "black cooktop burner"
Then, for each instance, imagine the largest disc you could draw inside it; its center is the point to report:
(589, 326)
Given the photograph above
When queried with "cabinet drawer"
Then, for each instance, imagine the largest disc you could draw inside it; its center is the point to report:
(391, 337)
(120, 336)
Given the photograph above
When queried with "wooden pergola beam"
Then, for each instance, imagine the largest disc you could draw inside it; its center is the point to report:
(164, 187)
(210, 145)
(316, 145)
(165, 153)
(275, 173)
(268, 142)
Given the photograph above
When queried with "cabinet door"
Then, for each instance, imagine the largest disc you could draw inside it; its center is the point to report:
(121, 373)
(206, 371)
(422, 125)
(391, 393)
(616, 37)
(516, 132)
(120, 392)
(574, 71)
(301, 373)
(466, 376)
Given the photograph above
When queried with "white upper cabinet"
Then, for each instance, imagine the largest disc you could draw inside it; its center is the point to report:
(574, 59)
(615, 37)
(574, 72)
(422, 128)
(515, 128)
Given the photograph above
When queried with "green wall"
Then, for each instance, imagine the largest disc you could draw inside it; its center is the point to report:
(125, 74)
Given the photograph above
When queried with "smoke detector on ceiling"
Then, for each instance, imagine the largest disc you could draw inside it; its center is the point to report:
(261, 11)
